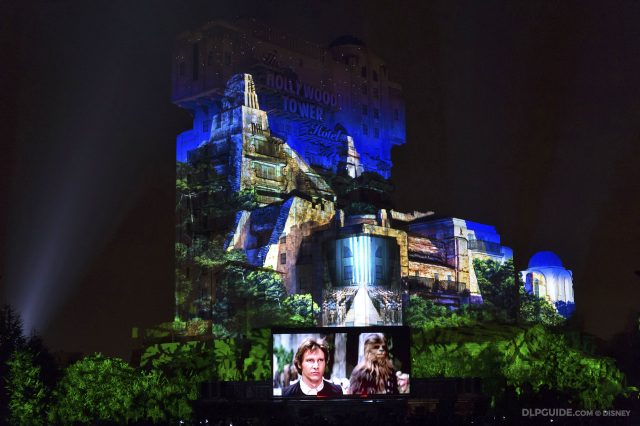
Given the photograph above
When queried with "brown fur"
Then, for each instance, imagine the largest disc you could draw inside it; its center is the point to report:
(373, 375)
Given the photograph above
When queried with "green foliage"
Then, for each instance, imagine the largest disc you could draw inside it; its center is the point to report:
(534, 309)
(538, 358)
(183, 287)
(257, 365)
(497, 286)
(246, 199)
(249, 299)
(164, 399)
(11, 340)
(422, 313)
(218, 331)
(427, 315)
(201, 257)
(100, 389)
(27, 392)
(226, 355)
(198, 184)
(529, 360)
(283, 357)
(505, 300)
(96, 389)
(180, 359)
(301, 310)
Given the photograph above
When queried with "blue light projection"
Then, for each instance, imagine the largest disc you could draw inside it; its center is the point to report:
(363, 266)
(546, 277)
(321, 139)
(483, 232)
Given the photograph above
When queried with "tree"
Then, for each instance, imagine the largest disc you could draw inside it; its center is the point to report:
(421, 312)
(497, 285)
(163, 399)
(26, 390)
(205, 208)
(301, 310)
(427, 315)
(533, 362)
(534, 309)
(99, 389)
(248, 297)
(11, 340)
(262, 294)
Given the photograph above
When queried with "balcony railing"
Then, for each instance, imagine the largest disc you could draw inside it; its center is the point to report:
(268, 148)
(433, 286)
(485, 246)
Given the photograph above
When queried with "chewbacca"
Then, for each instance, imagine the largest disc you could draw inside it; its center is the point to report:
(375, 374)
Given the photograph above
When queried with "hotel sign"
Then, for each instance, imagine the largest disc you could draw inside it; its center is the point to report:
(301, 98)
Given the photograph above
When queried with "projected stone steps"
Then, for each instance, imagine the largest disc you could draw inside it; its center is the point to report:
(362, 312)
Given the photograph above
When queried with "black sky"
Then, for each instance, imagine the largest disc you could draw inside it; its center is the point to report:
(523, 115)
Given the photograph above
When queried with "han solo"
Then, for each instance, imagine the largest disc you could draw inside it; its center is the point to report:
(310, 361)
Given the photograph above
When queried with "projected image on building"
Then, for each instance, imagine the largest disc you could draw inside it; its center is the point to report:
(364, 282)
(319, 363)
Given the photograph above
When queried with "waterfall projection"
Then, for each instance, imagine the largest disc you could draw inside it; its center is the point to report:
(364, 282)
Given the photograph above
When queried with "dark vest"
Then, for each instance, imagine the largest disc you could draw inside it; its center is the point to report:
(329, 390)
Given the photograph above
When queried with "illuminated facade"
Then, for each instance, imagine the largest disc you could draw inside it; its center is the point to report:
(243, 148)
(336, 106)
(294, 124)
(443, 249)
(546, 278)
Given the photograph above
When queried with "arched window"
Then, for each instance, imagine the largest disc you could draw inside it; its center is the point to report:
(379, 252)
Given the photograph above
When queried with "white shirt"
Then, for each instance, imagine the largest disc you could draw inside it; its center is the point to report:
(307, 390)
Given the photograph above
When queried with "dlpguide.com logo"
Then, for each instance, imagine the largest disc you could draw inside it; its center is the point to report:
(570, 412)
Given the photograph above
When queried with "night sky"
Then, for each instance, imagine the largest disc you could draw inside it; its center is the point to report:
(522, 115)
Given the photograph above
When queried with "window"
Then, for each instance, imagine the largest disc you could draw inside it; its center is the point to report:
(363, 89)
(266, 171)
(227, 59)
(266, 147)
(396, 114)
(348, 273)
(376, 113)
(283, 258)
(363, 72)
(376, 92)
(346, 252)
(436, 276)
(365, 129)
(206, 126)
(181, 69)
(365, 110)
(376, 133)
(374, 75)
